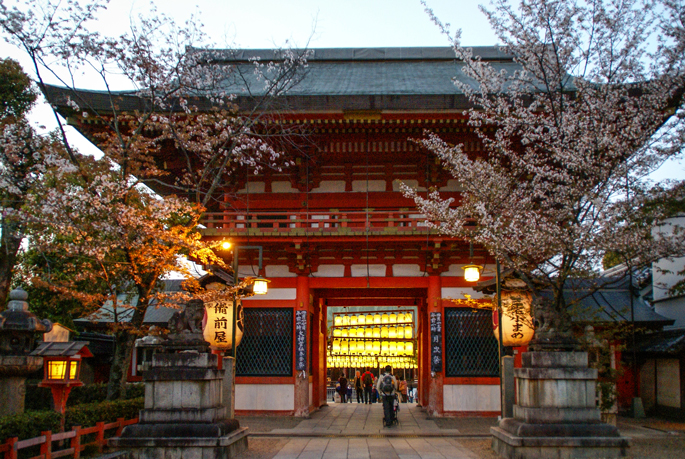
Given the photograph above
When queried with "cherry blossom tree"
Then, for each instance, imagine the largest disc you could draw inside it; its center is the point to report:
(570, 138)
(178, 95)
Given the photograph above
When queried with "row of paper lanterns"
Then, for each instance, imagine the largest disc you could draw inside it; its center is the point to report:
(344, 346)
(346, 320)
(361, 362)
(402, 332)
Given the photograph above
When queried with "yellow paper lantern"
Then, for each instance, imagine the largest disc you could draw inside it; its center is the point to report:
(384, 332)
(384, 319)
(353, 346)
(471, 273)
(400, 348)
(337, 320)
(408, 332)
(361, 319)
(353, 320)
(353, 333)
(218, 324)
(376, 332)
(368, 347)
(517, 329)
(345, 332)
(400, 331)
(368, 333)
(376, 318)
(385, 347)
(57, 369)
(336, 346)
(401, 317)
(392, 332)
(345, 320)
(337, 332)
(344, 346)
(376, 347)
(392, 348)
(409, 348)
(393, 318)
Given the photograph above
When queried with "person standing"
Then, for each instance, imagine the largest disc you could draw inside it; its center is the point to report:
(343, 387)
(387, 388)
(403, 389)
(358, 387)
(367, 382)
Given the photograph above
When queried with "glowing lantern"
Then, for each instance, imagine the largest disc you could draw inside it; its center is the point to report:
(344, 347)
(393, 318)
(384, 347)
(376, 347)
(400, 348)
(392, 332)
(260, 286)
(337, 321)
(376, 332)
(361, 319)
(384, 332)
(384, 319)
(368, 347)
(400, 331)
(392, 348)
(376, 318)
(345, 332)
(368, 333)
(517, 329)
(353, 333)
(337, 332)
(409, 348)
(336, 346)
(408, 332)
(471, 273)
(353, 320)
(353, 346)
(217, 324)
(345, 320)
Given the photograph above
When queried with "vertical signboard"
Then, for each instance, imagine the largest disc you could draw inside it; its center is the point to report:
(436, 341)
(300, 340)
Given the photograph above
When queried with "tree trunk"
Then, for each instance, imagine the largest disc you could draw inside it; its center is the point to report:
(118, 373)
(9, 248)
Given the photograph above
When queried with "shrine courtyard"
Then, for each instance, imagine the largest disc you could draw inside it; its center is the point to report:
(354, 431)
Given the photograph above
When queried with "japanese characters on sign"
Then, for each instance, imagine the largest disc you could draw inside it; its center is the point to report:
(436, 341)
(300, 340)
(218, 324)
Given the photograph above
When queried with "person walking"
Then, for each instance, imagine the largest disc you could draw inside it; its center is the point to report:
(388, 387)
(349, 393)
(358, 387)
(367, 382)
(403, 389)
(343, 387)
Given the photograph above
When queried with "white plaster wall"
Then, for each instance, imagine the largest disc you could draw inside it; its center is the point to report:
(374, 270)
(374, 185)
(331, 186)
(471, 397)
(668, 382)
(457, 293)
(282, 187)
(253, 187)
(278, 271)
(330, 271)
(452, 185)
(407, 271)
(249, 270)
(268, 397)
(409, 182)
(276, 294)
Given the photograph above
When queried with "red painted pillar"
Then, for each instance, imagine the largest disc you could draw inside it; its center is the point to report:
(302, 379)
(435, 390)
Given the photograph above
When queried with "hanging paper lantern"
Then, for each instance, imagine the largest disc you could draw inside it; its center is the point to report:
(344, 346)
(385, 347)
(336, 346)
(392, 348)
(337, 332)
(400, 348)
(409, 348)
(376, 347)
(361, 319)
(393, 318)
(384, 319)
(376, 332)
(517, 322)
(376, 318)
(368, 333)
(368, 347)
(408, 332)
(338, 320)
(345, 332)
(400, 331)
(217, 324)
(384, 332)
(345, 320)
(353, 346)
(353, 320)
(392, 332)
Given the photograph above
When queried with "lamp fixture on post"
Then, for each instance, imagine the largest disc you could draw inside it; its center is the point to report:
(471, 271)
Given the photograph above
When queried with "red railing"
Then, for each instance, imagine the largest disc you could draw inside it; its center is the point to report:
(316, 222)
(12, 446)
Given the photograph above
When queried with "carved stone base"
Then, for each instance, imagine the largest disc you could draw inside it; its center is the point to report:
(556, 416)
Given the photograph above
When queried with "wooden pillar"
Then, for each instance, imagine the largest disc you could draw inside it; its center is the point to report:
(435, 389)
(302, 378)
(424, 354)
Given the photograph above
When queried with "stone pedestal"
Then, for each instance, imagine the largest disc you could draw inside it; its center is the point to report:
(13, 372)
(556, 414)
(184, 415)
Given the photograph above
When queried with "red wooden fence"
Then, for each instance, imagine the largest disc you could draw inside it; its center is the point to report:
(11, 446)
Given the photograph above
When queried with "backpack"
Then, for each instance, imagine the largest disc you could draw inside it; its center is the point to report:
(367, 380)
(387, 387)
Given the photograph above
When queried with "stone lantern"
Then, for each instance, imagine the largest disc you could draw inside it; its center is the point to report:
(18, 331)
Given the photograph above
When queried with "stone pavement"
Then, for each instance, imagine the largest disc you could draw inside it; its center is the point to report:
(354, 431)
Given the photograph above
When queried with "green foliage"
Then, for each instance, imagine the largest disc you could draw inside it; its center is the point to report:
(28, 424)
(40, 398)
(109, 411)
(16, 93)
(611, 259)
